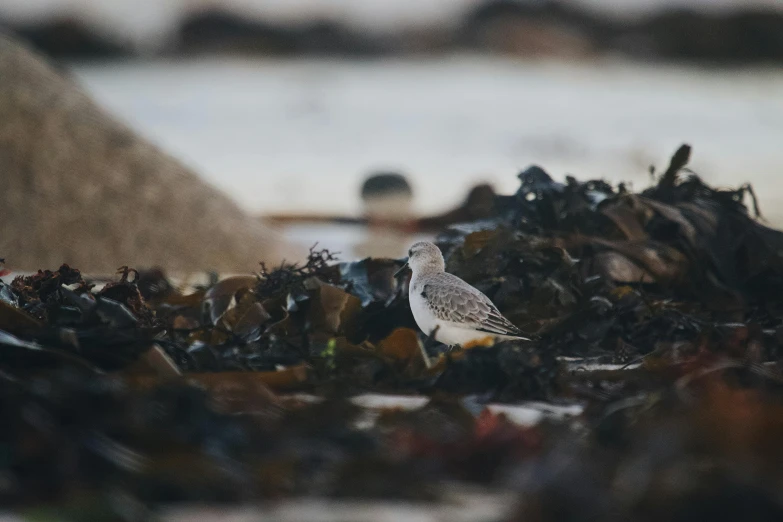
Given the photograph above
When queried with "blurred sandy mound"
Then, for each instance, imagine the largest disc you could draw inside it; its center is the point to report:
(80, 187)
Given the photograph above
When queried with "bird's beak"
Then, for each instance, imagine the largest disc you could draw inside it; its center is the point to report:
(402, 269)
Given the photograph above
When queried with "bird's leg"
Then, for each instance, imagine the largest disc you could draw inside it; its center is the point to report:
(430, 340)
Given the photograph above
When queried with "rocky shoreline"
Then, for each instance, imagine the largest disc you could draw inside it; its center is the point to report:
(750, 34)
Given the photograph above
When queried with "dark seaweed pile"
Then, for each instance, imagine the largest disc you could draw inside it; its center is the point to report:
(119, 399)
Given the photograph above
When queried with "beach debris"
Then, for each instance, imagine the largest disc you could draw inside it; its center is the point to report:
(653, 377)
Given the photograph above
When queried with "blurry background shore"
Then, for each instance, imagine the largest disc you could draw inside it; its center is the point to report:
(716, 30)
(287, 106)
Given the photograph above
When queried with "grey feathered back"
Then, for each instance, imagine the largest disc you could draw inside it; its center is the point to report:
(452, 299)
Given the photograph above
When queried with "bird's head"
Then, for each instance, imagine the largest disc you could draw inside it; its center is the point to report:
(424, 257)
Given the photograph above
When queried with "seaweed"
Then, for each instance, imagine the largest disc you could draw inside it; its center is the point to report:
(658, 315)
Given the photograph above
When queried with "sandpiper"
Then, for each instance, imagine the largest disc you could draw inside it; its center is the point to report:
(446, 306)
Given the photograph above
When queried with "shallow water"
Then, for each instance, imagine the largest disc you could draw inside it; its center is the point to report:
(300, 135)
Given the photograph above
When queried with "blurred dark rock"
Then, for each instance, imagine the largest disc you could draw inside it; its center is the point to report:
(522, 28)
(68, 38)
(530, 28)
(217, 30)
(747, 35)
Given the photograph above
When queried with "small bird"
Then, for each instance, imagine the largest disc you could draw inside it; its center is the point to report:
(446, 306)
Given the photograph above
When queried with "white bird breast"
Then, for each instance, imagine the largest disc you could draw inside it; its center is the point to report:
(448, 332)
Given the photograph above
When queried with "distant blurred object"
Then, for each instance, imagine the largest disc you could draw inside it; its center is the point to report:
(68, 37)
(220, 30)
(387, 198)
(387, 214)
(539, 29)
(80, 188)
(388, 203)
(742, 36)
(730, 31)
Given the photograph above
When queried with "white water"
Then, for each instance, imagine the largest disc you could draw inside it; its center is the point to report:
(300, 135)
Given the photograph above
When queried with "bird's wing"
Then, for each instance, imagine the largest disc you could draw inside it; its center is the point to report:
(460, 303)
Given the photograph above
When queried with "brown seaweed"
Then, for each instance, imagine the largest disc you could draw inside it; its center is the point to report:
(166, 396)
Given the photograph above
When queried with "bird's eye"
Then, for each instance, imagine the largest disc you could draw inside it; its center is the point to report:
(410, 253)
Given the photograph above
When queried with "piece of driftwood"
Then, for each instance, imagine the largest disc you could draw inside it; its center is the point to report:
(478, 204)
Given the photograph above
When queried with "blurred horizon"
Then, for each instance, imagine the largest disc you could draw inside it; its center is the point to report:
(671, 29)
(370, 15)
